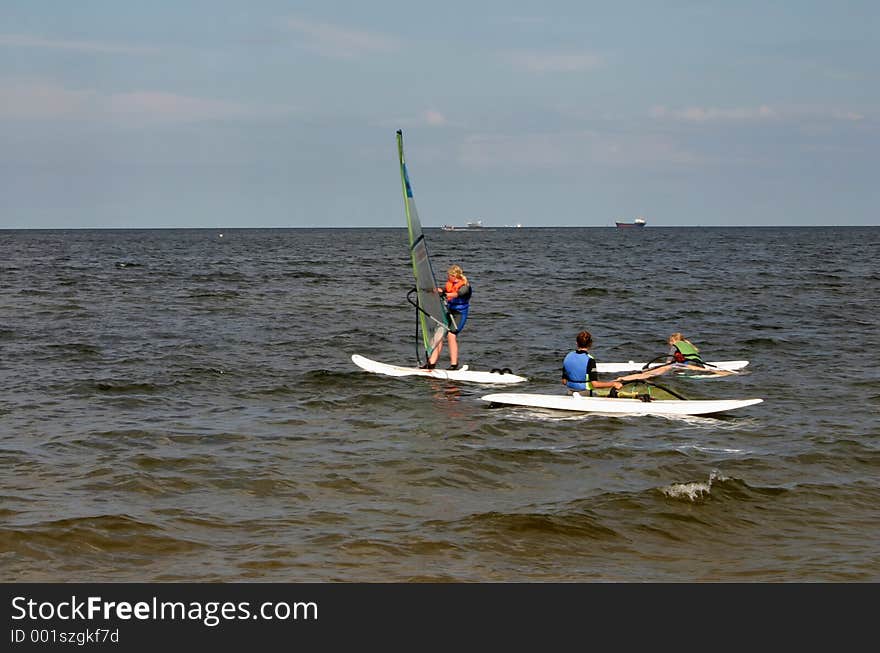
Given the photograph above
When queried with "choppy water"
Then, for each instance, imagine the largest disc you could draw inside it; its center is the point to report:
(177, 405)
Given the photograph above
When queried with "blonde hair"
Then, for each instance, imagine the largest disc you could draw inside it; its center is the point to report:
(456, 271)
(676, 337)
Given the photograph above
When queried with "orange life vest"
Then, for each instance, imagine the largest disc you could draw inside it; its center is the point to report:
(453, 286)
(457, 303)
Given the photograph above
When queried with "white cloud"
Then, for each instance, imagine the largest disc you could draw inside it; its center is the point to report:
(434, 118)
(340, 42)
(553, 62)
(852, 116)
(569, 150)
(487, 151)
(427, 118)
(43, 100)
(153, 106)
(525, 20)
(712, 114)
(754, 114)
(28, 41)
(39, 100)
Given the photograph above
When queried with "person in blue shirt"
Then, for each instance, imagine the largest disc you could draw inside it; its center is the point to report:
(579, 368)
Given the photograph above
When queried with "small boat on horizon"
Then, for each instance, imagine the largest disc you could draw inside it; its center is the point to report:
(473, 225)
(637, 223)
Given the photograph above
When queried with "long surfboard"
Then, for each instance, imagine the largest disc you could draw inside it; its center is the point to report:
(464, 374)
(632, 366)
(619, 406)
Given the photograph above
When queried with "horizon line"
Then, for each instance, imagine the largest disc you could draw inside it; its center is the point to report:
(485, 228)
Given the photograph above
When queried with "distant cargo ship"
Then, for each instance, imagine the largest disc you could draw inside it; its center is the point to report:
(638, 223)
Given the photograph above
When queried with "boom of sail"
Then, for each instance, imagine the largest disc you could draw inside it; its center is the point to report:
(434, 318)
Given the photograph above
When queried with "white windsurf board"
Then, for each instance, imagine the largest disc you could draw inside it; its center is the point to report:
(463, 374)
(619, 406)
(633, 366)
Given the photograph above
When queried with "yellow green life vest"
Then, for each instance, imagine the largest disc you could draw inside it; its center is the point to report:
(685, 352)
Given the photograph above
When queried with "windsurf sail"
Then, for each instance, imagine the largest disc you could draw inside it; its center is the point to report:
(434, 318)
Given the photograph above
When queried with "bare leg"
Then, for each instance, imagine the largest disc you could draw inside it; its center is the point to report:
(657, 371)
(453, 349)
(709, 370)
(435, 355)
(437, 344)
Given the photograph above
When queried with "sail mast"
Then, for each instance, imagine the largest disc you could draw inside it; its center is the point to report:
(433, 316)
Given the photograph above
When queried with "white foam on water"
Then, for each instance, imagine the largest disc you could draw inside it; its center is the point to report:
(694, 490)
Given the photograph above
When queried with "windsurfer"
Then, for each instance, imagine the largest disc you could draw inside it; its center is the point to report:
(457, 294)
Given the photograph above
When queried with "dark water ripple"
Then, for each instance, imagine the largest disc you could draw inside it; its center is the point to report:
(178, 405)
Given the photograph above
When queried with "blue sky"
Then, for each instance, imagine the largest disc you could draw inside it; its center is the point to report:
(282, 114)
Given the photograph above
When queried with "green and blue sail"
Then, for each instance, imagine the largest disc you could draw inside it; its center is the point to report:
(434, 318)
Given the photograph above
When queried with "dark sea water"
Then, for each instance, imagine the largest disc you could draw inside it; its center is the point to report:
(177, 406)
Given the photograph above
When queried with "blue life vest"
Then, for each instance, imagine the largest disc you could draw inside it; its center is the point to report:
(578, 369)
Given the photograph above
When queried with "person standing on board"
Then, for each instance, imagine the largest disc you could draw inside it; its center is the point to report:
(457, 294)
(579, 368)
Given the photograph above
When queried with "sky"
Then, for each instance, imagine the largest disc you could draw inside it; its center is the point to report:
(270, 113)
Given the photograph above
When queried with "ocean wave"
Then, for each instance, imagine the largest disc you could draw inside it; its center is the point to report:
(75, 350)
(92, 536)
(505, 527)
(596, 292)
(720, 487)
(692, 491)
(124, 387)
